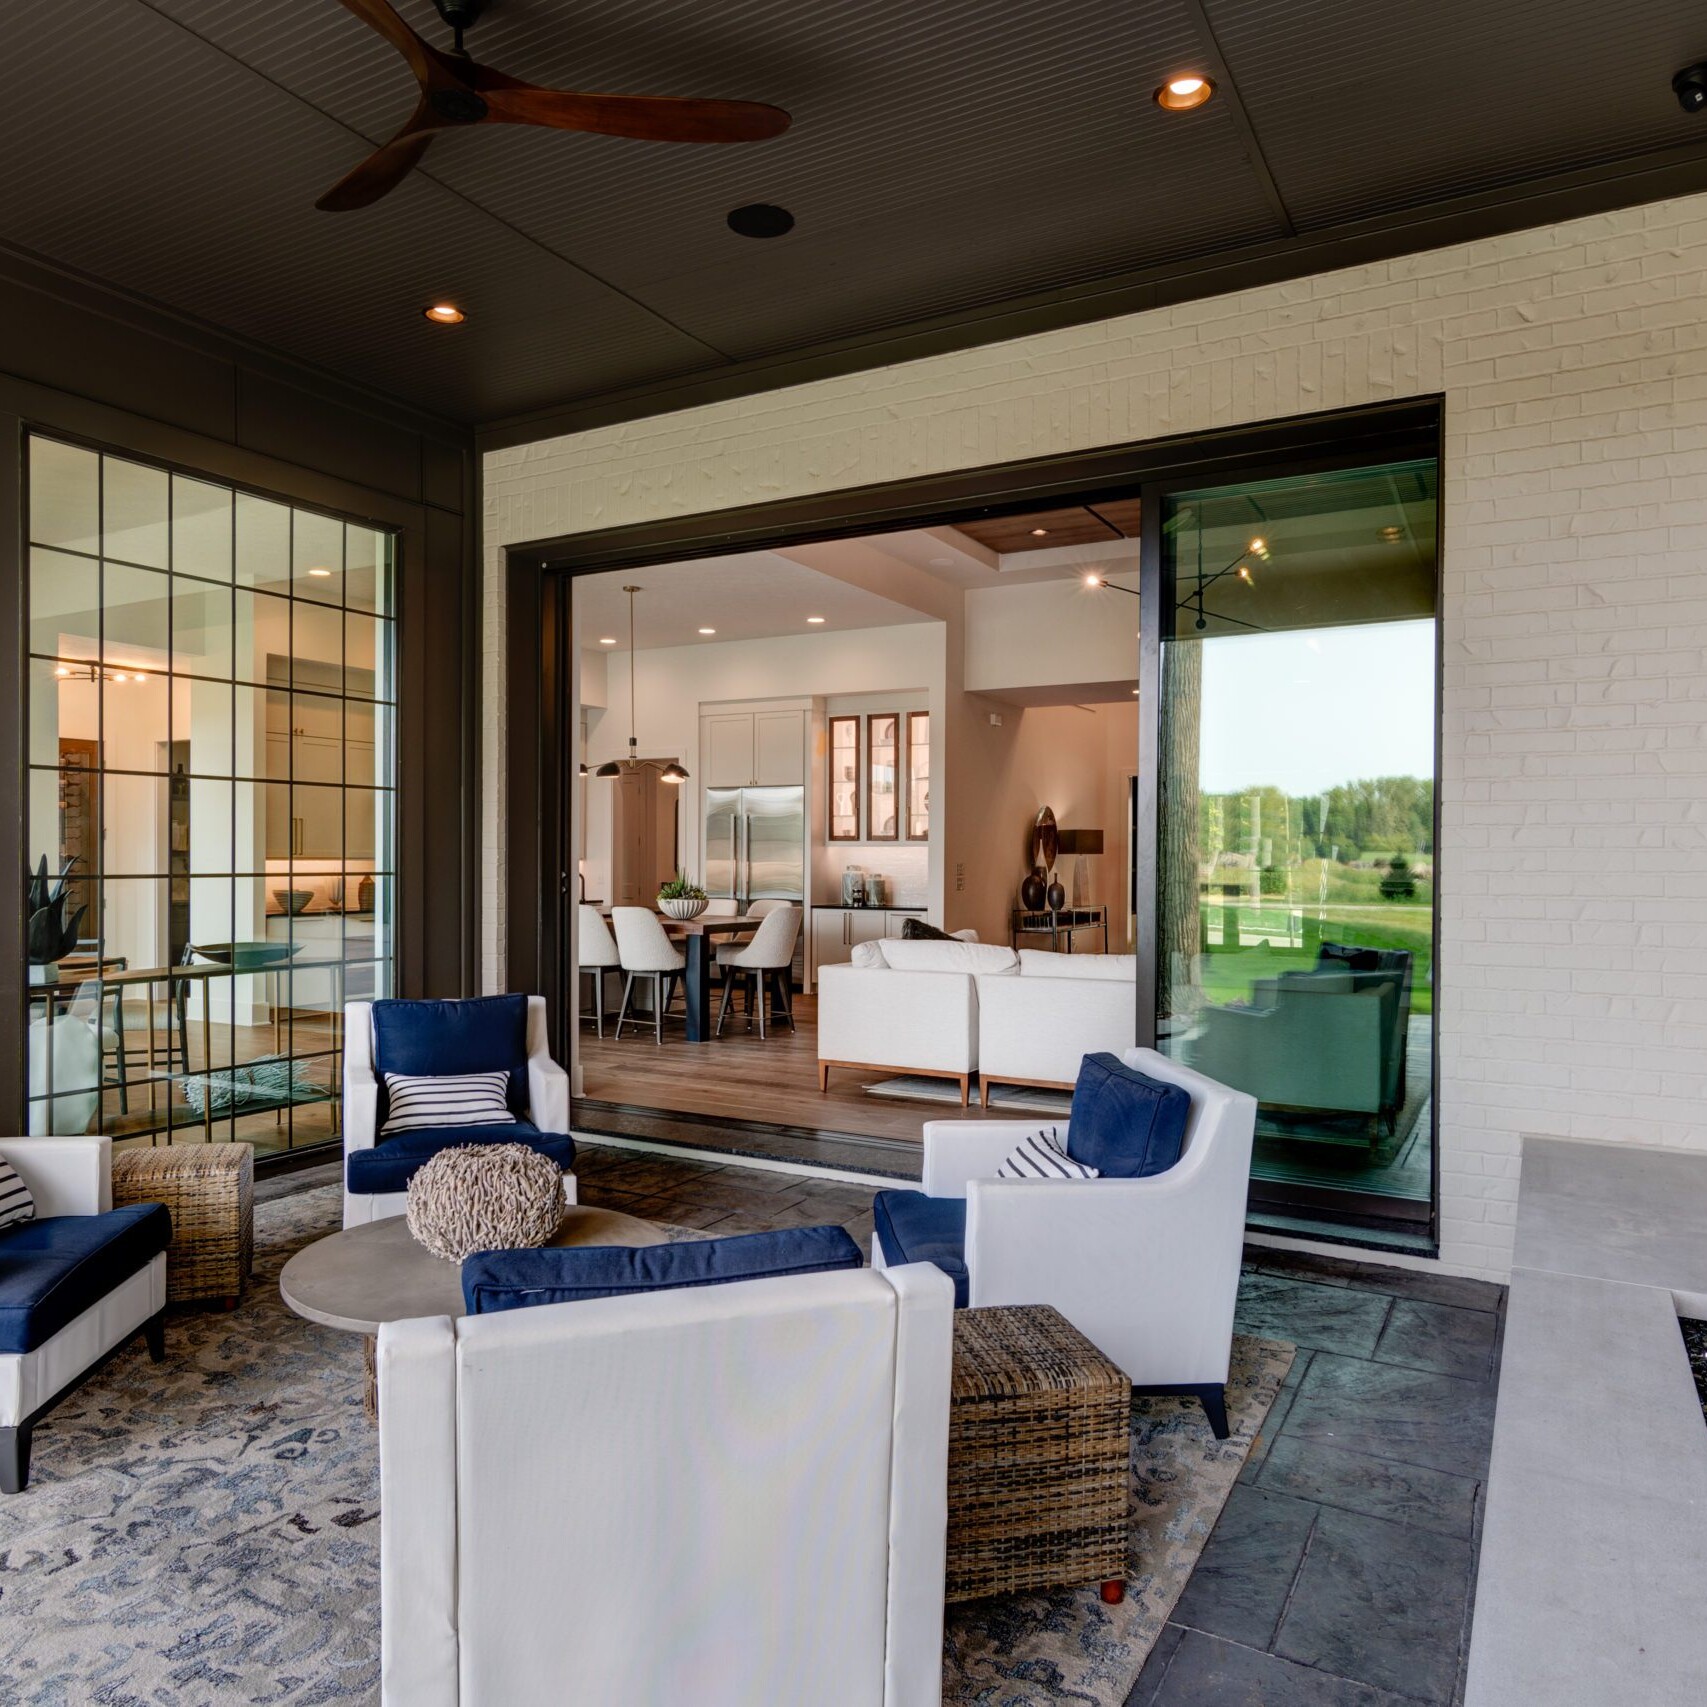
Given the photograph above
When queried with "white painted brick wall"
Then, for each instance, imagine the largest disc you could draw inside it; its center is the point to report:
(1573, 361)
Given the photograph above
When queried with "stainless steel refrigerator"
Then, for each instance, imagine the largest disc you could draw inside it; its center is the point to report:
(755, 843)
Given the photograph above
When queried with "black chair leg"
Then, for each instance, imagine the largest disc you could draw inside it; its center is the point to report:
(660, 995)
(1214, 1402)
(599, 1001)
(154, 1332)
(761, 997)
(723, 1006)
(627, 991)
(14, 1459)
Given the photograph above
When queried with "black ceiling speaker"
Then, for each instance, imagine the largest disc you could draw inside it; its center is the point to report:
(1690, 87)
(456, 91)
(761, 219)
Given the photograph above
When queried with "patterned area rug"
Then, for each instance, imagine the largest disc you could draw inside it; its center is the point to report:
(206, 1530)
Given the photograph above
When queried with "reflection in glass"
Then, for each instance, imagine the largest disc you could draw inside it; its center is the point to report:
(1296, 817)
(199, 802)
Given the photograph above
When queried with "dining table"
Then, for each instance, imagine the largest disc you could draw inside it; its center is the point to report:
(698, 938)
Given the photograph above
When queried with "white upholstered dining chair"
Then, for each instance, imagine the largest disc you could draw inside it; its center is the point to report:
(647, 954)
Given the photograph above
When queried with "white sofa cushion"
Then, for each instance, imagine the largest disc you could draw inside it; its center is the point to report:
(1041, 963)
(984, 958)
(867, 955)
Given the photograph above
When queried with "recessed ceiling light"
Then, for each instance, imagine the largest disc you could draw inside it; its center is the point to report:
(444, 314)
(708, 631)
(814, 619)
(1038, 533)
(761, 219)
(119, 676)
(1183, 91)
(1093, 579)
(138, 676)
(607, 639)
(318, 573)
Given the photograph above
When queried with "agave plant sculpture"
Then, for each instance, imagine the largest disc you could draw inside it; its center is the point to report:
(50, 935)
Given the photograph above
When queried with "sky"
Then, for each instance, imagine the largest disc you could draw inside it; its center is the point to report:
(1311, 708)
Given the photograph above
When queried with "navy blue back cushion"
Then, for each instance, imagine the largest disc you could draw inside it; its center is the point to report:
(1125, 1124)
(514, 1280)
(476, 1035)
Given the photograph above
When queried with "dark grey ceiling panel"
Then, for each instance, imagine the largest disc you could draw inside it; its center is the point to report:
(1365, 109)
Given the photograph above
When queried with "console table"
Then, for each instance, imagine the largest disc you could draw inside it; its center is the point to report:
(1057, 925)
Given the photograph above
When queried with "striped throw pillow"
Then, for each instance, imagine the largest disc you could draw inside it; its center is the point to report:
(16, 1204)
(1042, 1155)
(446, 1099)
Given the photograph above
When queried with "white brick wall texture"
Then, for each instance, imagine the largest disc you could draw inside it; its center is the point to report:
(1573, 363)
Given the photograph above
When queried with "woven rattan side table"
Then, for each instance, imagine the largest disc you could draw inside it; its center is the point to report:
(1039, 1450)
(210, 1191)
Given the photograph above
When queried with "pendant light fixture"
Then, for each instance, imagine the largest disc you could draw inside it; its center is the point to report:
(671, 772)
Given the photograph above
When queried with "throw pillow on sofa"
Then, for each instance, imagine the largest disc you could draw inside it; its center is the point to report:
(16, 1203)
(1042, 1155)
(1125, 1124)
(416, 1101)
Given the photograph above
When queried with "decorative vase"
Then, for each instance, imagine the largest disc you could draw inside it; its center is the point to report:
(1033, 891)
(1057, 897)
(683, 906)
(364, 895)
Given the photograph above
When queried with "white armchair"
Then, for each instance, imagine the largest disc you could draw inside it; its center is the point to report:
(1147, 1269)
(766, 1461)
(81, 1279)
(547, 1114)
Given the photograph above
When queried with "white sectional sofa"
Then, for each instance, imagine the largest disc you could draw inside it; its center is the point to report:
(952, 1009)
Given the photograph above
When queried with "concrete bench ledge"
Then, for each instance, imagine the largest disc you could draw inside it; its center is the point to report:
(1593, 1567)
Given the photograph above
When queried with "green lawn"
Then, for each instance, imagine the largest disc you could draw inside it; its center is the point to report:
(1229, 974)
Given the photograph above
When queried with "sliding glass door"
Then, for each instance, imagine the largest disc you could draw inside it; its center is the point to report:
(1295, 853)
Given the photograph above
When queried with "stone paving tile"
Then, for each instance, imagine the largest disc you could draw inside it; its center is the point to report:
(1275, 1421)
(1380, 1603)
(1376, 1487)
(1239, 1587)
(1204, 1671)
(1374, 1277)
(1409, 1415)
(1312, 1317)
(1441, 1337)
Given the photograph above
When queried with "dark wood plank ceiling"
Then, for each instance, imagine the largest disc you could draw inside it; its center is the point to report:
(957, 170)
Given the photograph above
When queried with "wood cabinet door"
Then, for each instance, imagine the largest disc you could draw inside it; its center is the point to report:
(779, 748)
(728, 742)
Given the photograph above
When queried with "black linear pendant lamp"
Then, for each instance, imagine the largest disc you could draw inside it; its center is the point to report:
(671, 772)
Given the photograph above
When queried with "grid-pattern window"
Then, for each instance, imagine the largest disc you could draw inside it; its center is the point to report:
(212, 725)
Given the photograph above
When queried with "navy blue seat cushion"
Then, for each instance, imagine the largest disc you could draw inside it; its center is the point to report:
(914, 1228)
(514, 1280)
(391, 1164)
(476, 1035)
(1125, 1124)
(54, 1268)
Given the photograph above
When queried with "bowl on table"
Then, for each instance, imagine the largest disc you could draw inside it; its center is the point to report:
(293, 900)
(683, 906)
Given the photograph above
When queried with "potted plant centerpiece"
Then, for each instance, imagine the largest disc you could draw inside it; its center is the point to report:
(682, 899)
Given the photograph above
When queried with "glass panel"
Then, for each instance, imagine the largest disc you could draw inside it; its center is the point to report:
(65, 605)
(136, 612)
(317, 558)
(844, 779)
(918, 776)
(199, 798)
(134, 513)
(1296, 817)
(367, 570)
(883, 774)
(263, 543)
(201, 628)
(65, 496)
(201, 529)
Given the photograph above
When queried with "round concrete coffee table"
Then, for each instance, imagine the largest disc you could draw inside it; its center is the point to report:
(365, 1276)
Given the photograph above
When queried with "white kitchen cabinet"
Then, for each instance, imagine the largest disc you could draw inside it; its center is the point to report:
(753, 749)
(837, 931)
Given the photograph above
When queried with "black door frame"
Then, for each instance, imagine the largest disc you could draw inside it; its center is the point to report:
(537, 869)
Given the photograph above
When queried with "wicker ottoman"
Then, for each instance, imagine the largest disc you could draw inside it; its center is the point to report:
(210, 1191)
(1039, 1449)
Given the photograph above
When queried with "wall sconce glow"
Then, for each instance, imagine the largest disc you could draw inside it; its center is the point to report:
(814, 619)
(444, 314)
(1183, 91)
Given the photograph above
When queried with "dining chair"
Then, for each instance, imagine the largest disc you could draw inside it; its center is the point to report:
(768, 960)
(595, 954)
(646, 952)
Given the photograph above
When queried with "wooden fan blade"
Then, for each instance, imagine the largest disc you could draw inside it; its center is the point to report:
(379, 174)
(379, 16)
(648, 118)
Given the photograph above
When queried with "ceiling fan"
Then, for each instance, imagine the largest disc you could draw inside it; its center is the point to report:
(456, 91)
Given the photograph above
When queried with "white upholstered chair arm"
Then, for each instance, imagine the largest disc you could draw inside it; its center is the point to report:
(958, 1151)
(361, 1087)
(1147, 1269)
(66, 1176)
(417, 1513)
(548, 1095)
